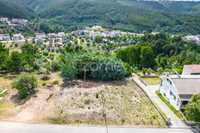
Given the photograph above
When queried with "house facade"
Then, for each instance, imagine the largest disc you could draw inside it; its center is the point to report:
(178, 89)
(5, 37)
(40, 38)
(4, 19)
(19, 22)
(18, 37)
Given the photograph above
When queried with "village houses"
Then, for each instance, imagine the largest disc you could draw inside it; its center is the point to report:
(5, 37)
(4, 19)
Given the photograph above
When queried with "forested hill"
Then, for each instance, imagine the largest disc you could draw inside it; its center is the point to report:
(11, 9)
(137, 16)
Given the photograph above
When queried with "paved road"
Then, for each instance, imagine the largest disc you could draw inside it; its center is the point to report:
(151, 92)
(6, 127)
(176, 122)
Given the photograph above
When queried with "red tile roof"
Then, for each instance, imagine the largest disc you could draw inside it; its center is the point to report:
(191, 69)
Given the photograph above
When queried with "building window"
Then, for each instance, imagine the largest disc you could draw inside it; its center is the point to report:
(178, 102)
(172, 94)
(169, 81)
(184, 103)
(174, 97)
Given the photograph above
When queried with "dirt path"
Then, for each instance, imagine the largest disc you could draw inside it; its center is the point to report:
(35, 108)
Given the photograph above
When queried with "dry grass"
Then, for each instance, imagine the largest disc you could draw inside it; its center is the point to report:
(81, 102)
(152, 80)
(6, 110)
(5, 82)
(122, 104)
(54, 79)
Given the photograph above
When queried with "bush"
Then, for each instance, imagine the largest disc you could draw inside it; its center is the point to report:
(97, 67)
(68, 70)
(3, 92)
(128, 68)
(192, 109)
(25, 84)
(107, 69)
(45, 78)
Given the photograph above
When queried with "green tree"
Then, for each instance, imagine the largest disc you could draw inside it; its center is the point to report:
(98, 39)
(30, 54)
(92, 66)
(134, 55)
(138, 56)
(68, 70)
(192, 109)
(4, 57)
(16, 62)
(105, 68)
(147, 59)
(25, 84)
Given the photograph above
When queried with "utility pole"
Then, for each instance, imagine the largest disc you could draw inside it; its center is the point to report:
(103, 101)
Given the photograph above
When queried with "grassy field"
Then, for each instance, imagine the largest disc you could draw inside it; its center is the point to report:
(6, 82)
(81, 102)
(118, 103)
(152, 80)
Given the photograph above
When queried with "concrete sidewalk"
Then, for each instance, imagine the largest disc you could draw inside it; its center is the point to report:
(151, 92)
(6, 127)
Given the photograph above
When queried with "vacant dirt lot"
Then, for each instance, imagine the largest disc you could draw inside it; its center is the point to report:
(78, 102)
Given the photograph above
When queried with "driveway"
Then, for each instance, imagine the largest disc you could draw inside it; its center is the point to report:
(151, 92)
(6, 127)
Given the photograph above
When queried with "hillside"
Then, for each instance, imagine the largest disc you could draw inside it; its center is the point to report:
(137, 16)
(11, 9)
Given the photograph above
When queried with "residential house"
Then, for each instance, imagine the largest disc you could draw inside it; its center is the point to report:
(178, 89)
(4, 19)
(19, 22)
(191, 70)
(5, 37)
(192, 38)
(40, 38)
(18, 37)
(55, 41)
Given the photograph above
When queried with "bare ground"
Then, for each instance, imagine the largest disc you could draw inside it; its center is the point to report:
(91, 102)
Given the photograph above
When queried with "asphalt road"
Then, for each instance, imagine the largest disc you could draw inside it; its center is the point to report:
(7, 127)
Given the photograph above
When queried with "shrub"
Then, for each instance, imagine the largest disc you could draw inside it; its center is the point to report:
(45, 78)
(91, 66)
(56, 82)
(128, 68)
(99, 67)
(68, 67)
(55, 66)
(4, 57)
(192, 109)
(25, 84)
(3, 92)
(107, 69)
